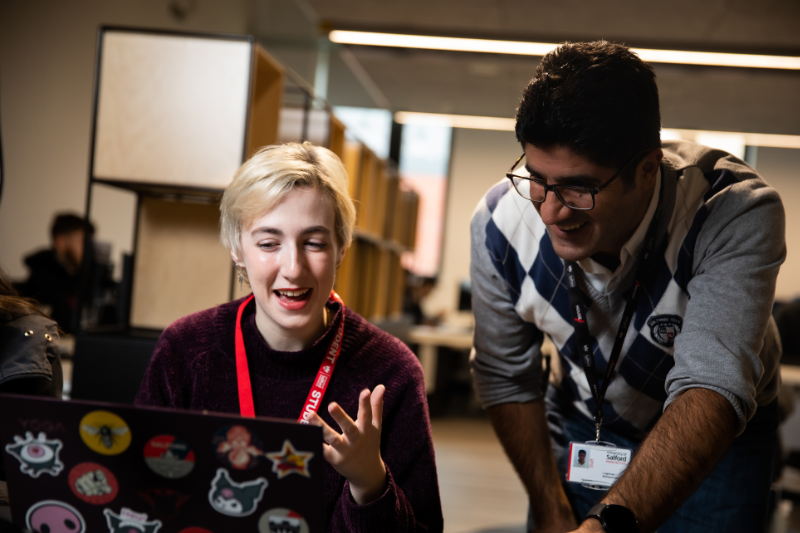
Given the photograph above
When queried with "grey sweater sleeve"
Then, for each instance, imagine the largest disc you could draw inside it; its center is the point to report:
(506, 355)
(738, 252)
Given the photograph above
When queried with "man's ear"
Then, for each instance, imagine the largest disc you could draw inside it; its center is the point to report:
(649, 166)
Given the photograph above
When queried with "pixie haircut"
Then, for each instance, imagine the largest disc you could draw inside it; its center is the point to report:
(267, 177)
(597, 99)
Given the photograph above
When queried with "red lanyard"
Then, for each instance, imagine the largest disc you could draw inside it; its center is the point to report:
(320, 384)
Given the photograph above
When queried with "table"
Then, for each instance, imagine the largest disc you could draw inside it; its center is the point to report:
(429, 339)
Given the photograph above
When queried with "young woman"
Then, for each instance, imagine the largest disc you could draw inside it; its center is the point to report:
(287, 221)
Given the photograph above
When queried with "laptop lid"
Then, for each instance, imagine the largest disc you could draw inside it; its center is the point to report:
(77, 467)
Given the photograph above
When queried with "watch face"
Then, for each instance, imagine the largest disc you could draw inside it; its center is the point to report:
(619, 519)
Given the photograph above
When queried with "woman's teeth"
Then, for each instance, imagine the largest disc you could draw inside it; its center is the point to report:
(293, 294)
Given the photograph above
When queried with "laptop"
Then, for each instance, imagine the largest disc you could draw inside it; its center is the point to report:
(93, 467)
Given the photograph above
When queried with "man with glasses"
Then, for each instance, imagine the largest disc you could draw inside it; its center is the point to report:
(651, 266)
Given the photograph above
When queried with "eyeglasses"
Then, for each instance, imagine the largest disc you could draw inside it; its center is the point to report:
(573, 196)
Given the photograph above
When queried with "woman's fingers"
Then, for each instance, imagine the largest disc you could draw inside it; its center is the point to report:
(343, 419)
(377, 406)
(364, 410)
(329, 435)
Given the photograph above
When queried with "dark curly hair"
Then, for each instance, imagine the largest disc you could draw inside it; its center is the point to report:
(596, 98)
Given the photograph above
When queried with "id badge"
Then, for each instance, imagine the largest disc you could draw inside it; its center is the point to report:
(596, 465)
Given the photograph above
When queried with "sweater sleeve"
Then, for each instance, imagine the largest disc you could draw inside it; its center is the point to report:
(411, 501)
(737, 257)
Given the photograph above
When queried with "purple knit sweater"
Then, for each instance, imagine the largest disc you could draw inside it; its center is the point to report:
(194, 367)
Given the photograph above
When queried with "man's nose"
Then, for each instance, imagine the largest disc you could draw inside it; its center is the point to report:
(553, 210)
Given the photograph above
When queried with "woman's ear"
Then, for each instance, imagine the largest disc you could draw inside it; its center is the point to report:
(236, 259)
(340, 255)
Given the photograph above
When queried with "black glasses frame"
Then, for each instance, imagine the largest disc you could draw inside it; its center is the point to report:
(591, 190)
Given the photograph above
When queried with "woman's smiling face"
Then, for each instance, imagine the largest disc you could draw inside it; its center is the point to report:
(291, 253)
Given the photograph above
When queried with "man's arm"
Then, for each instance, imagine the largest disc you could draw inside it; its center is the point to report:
(684, 446)
(522, 428)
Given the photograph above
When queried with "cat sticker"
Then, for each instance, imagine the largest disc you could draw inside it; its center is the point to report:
(235, 499)
(128, 521)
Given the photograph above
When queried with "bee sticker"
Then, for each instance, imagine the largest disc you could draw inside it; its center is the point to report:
(93, 483)
(128, 521)
(105, 433)
(36, 455)
(290, 461)
(280, 520)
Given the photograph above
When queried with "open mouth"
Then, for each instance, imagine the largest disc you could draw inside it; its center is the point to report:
(572, 227)
(297, 295)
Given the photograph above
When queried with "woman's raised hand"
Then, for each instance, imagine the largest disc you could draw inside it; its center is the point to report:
(356, 452)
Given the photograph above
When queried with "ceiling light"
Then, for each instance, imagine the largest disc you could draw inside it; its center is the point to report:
(540, 49)
(507, 124)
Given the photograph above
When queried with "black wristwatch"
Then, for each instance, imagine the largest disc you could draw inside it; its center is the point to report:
(614, 518)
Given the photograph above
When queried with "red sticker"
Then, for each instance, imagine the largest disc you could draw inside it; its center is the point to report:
(168, 456)
(237, 447)
(93, 483)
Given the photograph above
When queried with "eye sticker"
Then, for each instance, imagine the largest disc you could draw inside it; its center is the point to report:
(93, 483)
(281, 520)
(53, 516)
(290, 461)
(235, 499)
(37, 455)
(105, 433)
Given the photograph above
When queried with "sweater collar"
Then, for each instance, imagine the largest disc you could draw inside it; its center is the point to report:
(276, 364)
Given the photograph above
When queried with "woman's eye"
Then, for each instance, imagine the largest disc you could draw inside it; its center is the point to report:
(317, 245)
(267, 245)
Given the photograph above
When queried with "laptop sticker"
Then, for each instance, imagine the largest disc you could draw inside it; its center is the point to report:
(38, 455)
(164, 503)
(129, 521)
(93, 483)
(280, 520)
(169, 457)
(235, 499)
(290, 461)
(194, 530)
(53, 516)
(237, 447)
(105, 433)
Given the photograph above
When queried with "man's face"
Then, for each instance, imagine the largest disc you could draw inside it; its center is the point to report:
(617, 213)
(581, 457)
(69, 250)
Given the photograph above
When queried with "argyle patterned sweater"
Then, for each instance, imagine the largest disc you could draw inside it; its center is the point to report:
(703, 319)
(194, 367)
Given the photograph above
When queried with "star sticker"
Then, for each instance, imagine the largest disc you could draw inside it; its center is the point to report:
(290, 461)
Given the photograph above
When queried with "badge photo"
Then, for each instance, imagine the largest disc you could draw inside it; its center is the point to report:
(93, 483)
(37, 455)
(235, 499)
(169, 457)
(54, 516)
(290, 461)
(237, 447)
(128, 521)
(105, 433)
(281, 520)
(596, 465)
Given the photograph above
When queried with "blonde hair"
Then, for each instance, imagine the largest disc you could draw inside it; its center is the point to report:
(267, 177)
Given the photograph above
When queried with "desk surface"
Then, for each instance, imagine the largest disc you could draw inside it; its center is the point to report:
(450, 337)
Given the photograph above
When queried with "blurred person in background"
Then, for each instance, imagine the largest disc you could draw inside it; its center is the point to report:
(55, 273)
(652, 267)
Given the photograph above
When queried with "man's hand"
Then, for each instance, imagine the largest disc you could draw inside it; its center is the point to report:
(356, 452)
(523, 431)
(590, 526)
